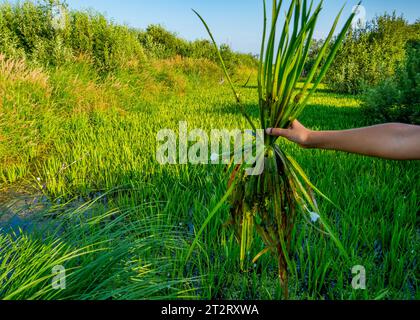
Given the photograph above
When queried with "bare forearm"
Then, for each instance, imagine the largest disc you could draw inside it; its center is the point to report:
(392, 141)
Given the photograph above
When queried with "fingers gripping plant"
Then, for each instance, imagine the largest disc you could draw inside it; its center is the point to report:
(269, 203)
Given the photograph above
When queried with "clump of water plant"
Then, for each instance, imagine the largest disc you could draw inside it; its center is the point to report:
(270, 202)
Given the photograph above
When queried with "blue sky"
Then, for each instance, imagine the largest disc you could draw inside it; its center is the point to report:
(236, 22)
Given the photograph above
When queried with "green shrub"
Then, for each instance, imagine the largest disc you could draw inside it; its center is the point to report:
(26, 30)
(397, 98)
(9, 42)
(110, 46)
(313, 54)
(29, 30)
(372, 54)
(203, 49)
(163, 44)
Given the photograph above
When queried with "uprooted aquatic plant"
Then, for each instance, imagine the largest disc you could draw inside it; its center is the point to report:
(270, 202)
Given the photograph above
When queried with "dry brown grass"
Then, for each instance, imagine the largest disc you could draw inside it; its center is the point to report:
(89, 96)
(173, 74)
(200, 67)
(17, 71)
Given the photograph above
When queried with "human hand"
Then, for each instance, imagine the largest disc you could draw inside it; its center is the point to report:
(296, 133)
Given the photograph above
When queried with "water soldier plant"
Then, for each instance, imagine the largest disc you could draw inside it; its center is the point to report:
(270, 202)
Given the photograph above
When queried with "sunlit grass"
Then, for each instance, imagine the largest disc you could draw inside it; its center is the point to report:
(144, 228)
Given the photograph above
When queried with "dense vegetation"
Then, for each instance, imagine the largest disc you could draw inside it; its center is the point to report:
(398, 98)
(79, 113)
(374, 62)
(372, 54)
(49, 34)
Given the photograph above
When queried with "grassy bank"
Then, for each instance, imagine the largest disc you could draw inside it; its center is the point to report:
(83, 144)
(80, 187)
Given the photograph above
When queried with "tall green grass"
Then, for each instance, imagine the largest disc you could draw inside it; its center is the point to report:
(122, 224)
(89, 152)
(106, 253)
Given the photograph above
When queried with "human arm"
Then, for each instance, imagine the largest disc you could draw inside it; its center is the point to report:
(395, 141)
